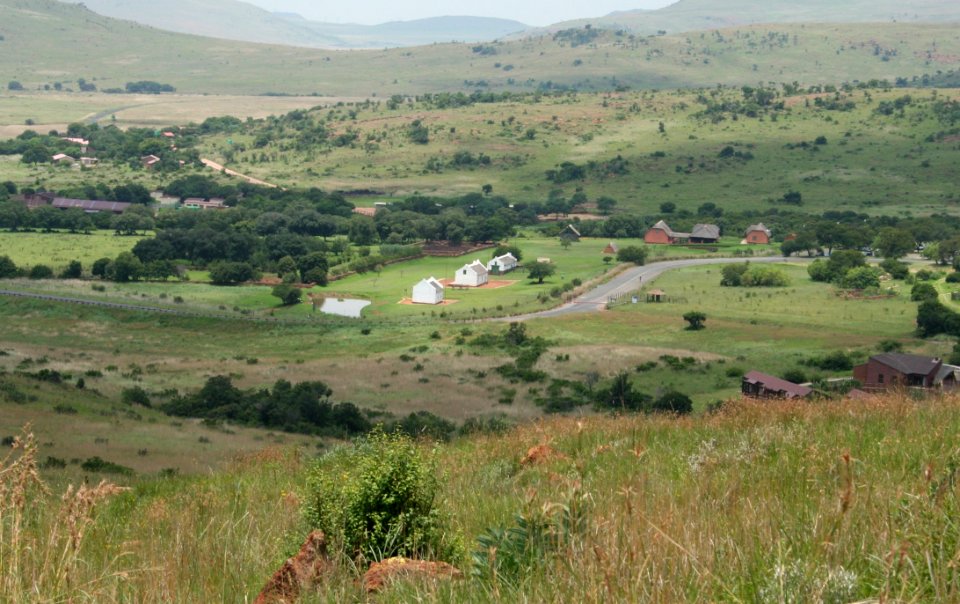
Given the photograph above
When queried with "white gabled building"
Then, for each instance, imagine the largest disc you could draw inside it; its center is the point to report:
(474, 274)
(502, 264)
(428, 291)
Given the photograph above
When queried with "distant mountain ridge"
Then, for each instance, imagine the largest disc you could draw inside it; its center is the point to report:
(237, 20)
(696, 15)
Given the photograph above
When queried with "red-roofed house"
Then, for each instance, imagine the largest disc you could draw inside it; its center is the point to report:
(757, 234)
(761, 385)
(896, 370)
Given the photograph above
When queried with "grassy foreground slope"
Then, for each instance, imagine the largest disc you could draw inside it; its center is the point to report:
(796, 502)
(109, 53)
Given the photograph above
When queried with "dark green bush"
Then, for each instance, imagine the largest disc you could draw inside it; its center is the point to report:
(380, 498)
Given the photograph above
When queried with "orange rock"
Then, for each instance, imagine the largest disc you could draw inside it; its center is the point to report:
(300, 571)
(381, 573)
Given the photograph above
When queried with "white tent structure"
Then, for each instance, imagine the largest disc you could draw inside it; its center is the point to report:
(428, 291)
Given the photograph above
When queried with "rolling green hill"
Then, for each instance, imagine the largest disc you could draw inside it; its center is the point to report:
(236, 20)
(109, 53)
(695, 15)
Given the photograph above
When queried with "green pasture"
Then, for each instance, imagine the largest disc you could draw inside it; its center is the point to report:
(765, 329)
(56, 250)
(867, 163)
(770, 330)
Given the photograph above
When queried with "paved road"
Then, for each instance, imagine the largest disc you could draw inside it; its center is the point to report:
(630, 280)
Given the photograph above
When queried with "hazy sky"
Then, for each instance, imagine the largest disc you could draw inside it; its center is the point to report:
(531, 12)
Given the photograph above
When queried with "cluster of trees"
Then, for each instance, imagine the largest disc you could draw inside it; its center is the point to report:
(621, 396)
(106, 143)
(304, 407)
(747, 275)
(847, 269)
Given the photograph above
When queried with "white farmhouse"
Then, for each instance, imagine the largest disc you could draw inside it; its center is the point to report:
(428, 291)
(502, 264)
(474, 274)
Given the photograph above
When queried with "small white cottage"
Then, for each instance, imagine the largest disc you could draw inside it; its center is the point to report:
(502, 264)
(474, 274)
(428, 291)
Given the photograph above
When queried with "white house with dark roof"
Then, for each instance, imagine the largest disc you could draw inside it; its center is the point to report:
(474, 274)
(502, 264)
(428, 291)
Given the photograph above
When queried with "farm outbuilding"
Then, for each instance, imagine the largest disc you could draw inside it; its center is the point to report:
(502, 264)
(474, 274)
(612, 248)
(661, 233)
(757, 234)
(570, 233)
(761, 385)
(428, 291)
(705, 233)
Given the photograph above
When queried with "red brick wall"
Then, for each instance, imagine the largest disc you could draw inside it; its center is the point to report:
(758, 237)
(657, 236)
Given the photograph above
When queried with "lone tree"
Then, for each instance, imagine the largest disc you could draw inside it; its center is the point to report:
(540, 271)
(695, 318)
(634, 254)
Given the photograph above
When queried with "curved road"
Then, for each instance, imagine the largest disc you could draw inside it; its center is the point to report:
(631, 280)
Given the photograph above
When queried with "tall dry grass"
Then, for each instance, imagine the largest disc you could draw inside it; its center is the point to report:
(762, 502)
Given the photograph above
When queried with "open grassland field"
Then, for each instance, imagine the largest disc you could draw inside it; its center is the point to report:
(55, 110)
(109, 53)
(642, 149)
(514, 293)
(398, 359)
(847, 501)
(76, 424)
(56, 250)
(765, 329)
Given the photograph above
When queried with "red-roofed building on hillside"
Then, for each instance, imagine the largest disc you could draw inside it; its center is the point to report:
(761, 385)
(896, 370)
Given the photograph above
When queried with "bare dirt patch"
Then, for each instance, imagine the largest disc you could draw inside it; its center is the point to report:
(410, 302)
(487, 285)
(383, 573)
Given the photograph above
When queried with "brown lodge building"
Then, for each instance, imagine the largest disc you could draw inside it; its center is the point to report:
(896, 370)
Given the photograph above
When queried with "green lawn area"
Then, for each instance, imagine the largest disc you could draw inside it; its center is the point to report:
(57, 249)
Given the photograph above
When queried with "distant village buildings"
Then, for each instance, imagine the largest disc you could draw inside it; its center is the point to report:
(662, 234)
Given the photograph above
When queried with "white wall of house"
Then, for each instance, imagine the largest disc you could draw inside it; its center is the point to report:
(474, 274)
(502, 264)
(428, 291)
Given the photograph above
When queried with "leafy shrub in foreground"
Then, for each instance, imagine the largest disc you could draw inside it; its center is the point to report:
(379, 499)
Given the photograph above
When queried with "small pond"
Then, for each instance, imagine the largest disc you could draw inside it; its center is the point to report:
(344, 307)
